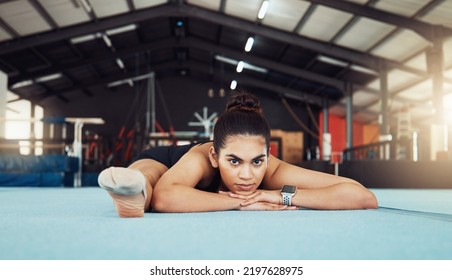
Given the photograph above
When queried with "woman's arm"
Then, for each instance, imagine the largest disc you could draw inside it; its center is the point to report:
(342, 196)
(175, 190)
(315, 190)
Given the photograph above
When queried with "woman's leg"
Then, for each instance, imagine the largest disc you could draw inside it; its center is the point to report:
(152, 171)
(131, 188)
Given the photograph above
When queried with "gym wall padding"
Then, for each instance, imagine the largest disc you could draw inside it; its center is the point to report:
(48, 170)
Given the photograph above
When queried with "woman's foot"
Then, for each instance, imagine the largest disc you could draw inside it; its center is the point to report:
(127, 187)
(129, 206)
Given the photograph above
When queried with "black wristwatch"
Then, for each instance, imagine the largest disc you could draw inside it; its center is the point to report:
(287, 192)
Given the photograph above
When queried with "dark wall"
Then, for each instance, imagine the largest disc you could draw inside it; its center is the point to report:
(183, 96)
(392, 173)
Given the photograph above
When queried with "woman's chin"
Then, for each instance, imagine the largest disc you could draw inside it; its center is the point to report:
(244, 192)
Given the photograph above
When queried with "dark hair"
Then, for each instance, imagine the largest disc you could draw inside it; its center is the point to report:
(243, 116)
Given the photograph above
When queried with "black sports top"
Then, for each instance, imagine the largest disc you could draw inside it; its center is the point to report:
(169, 155)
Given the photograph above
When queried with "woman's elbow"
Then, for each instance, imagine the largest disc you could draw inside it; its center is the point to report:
(160, 201)
(370, 201)
(367, 200)
(363, 198)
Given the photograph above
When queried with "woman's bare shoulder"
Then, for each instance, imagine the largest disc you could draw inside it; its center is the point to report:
(192, 168)
(196, 157)
(204, 147)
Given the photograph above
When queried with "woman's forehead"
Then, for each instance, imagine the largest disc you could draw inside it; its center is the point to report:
(245, 138)
(250, 145)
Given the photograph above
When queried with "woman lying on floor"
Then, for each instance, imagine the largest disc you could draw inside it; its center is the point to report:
(234, 172)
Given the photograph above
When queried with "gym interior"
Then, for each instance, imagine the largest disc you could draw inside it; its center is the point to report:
(356, 88)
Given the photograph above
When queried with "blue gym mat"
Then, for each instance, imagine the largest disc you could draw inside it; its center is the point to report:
(68, 223)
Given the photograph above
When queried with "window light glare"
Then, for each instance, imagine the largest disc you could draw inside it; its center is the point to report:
(447, 105)
(240, 65)
(249, 44)
(263, 10)
(447, 101)
(233, 84)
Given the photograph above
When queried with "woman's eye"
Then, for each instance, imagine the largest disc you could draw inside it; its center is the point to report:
(258, 162)
(234, 162)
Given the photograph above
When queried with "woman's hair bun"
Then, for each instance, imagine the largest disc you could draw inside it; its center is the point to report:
(243, 101)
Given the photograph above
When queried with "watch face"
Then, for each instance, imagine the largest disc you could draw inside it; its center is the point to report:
(289, 189)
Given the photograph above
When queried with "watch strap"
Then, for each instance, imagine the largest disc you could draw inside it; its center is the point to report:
(287, 199)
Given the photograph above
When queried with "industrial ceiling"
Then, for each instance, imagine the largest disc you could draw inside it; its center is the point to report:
(314, 51)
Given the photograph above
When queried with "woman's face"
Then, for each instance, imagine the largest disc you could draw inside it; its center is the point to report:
(242, 163)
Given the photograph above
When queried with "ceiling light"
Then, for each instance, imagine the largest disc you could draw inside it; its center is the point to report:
(332, 61)
(22, 84)
(340, 63)
(240, 65)
(121, 82)
(263, 10)
(120, 63)
(249, 44)
(129, 80)
(255, 68)
(89, 37)
(85, 38)
(245, 65)
(233, 84)
(122, 29)
(363, 69)
(106, 40)
(48, 78)
(226, 59)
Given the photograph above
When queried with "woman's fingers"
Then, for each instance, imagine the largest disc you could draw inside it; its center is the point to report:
(240, 196)
(264, 196)
(260, 206)
(261, 200)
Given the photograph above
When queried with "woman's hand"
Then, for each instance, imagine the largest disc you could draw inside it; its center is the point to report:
(259, 206)
(261, 200)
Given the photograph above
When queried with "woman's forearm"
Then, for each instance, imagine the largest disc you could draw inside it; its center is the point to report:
(342, 196)
(185, 199)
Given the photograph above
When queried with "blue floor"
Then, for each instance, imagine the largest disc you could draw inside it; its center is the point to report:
(68, 223)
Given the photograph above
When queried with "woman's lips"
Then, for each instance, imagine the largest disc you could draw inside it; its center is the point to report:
(245, 187)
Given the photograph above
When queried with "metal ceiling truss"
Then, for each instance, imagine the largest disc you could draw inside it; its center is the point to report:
(424, 10)
(191, 43)
(286, 92)
(186, 43)
(183, 10)
(43, 13)
(424, 29)
(180, 9)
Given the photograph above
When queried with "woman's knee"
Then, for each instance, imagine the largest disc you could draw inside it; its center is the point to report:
(151, 169)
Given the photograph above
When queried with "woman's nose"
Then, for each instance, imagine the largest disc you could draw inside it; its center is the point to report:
(245, 172)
